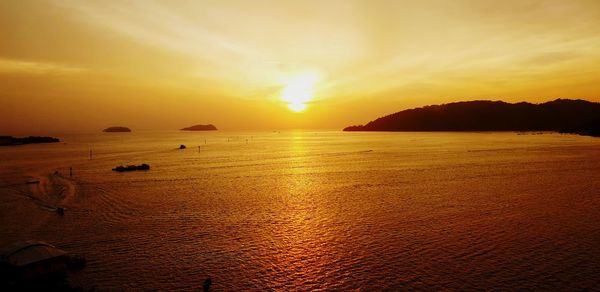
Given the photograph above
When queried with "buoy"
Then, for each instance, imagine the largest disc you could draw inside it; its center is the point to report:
(206, 284)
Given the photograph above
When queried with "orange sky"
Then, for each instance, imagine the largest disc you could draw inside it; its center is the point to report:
(79, 66)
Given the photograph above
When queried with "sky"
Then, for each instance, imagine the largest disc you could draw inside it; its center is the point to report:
(80, 66)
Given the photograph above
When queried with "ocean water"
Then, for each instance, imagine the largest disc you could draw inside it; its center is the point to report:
(313, 210)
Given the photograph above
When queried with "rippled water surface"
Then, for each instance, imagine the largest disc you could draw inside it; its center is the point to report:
(314, 210)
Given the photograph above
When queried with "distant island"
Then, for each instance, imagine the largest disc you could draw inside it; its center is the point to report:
(12, 141)
(561, 115)
(116, 129)
(209, 127)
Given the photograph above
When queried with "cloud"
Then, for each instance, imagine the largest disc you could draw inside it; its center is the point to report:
(31, 67)
(550, 58)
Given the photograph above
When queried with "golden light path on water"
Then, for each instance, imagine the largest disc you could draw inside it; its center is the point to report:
(324, 210)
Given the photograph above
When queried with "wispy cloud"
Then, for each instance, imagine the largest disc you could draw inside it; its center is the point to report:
(360, 47)
(31, 67)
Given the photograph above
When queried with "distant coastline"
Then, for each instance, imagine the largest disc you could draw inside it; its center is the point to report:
(561, 115)
(13, 141)
(209, 127)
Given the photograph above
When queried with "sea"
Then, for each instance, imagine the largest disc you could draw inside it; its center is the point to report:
(313, 210)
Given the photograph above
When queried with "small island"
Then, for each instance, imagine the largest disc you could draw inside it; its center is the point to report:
(209, 127)
(561, 115)
(12, 141)
(116, 129)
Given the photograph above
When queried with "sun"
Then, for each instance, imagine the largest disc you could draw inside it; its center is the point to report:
(297, 107)
(299, 90)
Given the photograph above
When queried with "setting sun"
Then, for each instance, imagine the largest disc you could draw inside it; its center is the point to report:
(299, 90)
(297, 107)
(309, 145)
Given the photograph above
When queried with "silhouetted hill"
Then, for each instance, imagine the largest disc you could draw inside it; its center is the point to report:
(209, 127)
(591, 128)
(116, 129)
(572, 116)
(11, 141)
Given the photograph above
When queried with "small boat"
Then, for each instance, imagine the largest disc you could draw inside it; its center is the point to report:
(60, 211)
(122, 168)
(143, 166)
(31, 182)
(206, 285)
(182, 146)
(119, 168)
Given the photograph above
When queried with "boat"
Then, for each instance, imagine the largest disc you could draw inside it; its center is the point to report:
(122, 168)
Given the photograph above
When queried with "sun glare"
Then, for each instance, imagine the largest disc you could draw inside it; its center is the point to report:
(299, 90)
(297, 107)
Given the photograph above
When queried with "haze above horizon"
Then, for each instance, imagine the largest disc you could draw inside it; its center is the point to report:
(77, 66)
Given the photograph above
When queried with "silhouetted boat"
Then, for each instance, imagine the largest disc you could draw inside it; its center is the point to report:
(122, 168)
(206, 285)
(143, 166)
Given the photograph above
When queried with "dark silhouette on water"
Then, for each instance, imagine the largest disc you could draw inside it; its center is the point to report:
(206, 285)
(182, 146)
(209, 127)
(591, 128)
(122, 168)
(36, 266)
(116, 129)
(12, 141)
(569, 116)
